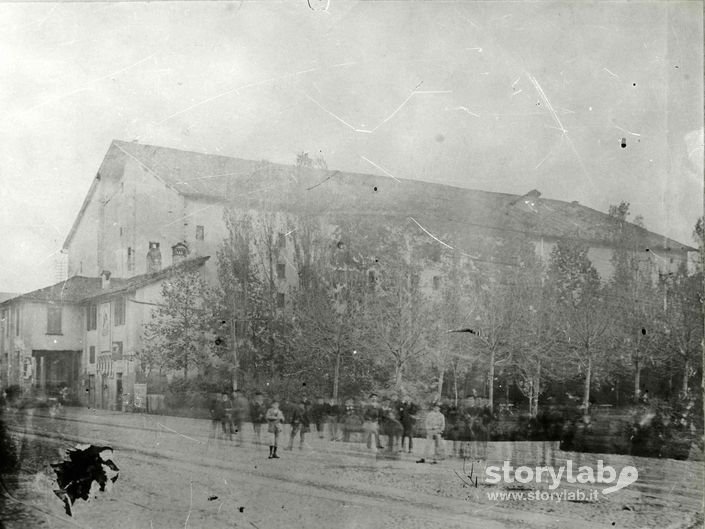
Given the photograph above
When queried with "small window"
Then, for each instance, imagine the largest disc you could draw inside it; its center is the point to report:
(199, 233)
(130, 259)
(119, 311)
(281, 271)
(117, 350)
(91, 354)
(53, 320)
(91, 317)
(121, 231)
(16, 310)
(281, 300)
(282, 240)
(371, 277)
(436, 282)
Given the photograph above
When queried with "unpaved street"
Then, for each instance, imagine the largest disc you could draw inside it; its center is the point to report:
(173, 475)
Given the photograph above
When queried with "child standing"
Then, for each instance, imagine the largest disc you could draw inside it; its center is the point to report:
(275, 419)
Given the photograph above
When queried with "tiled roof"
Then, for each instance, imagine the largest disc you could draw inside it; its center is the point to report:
(133, 283)
(440, 208)
(77, 289)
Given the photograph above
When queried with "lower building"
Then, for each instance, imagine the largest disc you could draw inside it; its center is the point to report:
(81, 336)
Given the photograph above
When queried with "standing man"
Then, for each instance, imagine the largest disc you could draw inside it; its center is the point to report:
(407, 418)
(258, 410)
(435, 424)
(333, 418)
(318, 414)
(300, 422)
(218, 414)
(370, 425)
(240, 406)
(275, 419)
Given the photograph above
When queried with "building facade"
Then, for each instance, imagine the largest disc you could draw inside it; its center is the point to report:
(151, 211)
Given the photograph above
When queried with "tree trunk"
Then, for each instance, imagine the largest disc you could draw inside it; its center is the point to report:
(686, 371)
(336, 376)
(439, 395)
(637, 380)
(586, 394)
(536, 390)
(233, 339)
(455, 386)
(491, 381)
(398, 372)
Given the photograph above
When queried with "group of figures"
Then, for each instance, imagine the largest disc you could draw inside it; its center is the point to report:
(369, 420)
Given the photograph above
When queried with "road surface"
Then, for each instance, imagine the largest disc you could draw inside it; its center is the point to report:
(173, 475)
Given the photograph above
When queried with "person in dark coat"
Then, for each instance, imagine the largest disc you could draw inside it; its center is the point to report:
(239, 414)
(222, 413)
(258, 410)
(334, 418)
(407, 418)
(300, 423)
(352, 420)
(453, 427)
(318, 415)
(371, 417)
(393, 430)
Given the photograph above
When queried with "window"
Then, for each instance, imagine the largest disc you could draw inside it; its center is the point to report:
(199, 233)
(53, 320)
(281, 300)
(117, 350)
(91, 354)
(281, 240)
(119, 312)
(91, 317)
(16, 310)
(371, 278)
(130, 259)
(281, 271)
(436, 282)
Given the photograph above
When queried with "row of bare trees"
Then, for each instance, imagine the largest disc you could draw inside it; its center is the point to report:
(363, 304)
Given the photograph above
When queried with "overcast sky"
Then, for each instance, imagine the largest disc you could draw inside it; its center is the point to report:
(487, 95)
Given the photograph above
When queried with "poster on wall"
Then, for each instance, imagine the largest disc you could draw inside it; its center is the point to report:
(140, 392)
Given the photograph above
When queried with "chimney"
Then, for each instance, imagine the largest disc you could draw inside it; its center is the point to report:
(105, 279)
(179, 252)
(154, 258)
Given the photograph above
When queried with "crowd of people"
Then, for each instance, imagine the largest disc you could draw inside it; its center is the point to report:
(392, 421)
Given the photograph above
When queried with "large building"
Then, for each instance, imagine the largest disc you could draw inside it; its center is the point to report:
(153, 210)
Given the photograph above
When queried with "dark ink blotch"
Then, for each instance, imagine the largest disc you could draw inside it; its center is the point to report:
(624, 143)
(241, 509)
(212, 498)
(375, 188)
(76, 475)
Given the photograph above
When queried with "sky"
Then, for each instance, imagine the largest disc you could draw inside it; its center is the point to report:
(497, 96)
